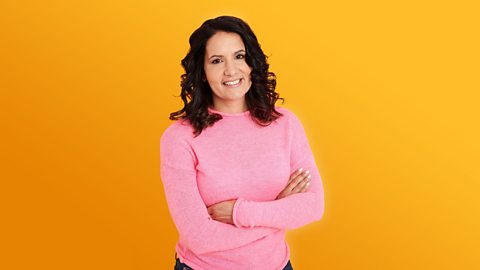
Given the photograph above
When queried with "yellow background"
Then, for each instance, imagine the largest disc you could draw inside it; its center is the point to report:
(387, 92)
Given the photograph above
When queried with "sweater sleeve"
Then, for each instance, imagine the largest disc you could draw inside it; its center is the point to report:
(292, 211)
(197, 230)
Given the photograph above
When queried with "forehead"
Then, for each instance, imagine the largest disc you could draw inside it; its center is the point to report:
(223, 43)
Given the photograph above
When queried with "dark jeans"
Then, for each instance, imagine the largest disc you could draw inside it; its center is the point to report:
(181, 266)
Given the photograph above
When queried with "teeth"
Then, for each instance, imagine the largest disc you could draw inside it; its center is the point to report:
(232, 82)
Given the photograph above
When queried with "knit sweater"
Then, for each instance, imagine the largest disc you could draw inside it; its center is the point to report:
(238, 159)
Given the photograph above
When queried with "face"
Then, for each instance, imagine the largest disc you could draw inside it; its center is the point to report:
(227, 72)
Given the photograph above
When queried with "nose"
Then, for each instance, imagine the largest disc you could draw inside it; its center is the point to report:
(230, 68)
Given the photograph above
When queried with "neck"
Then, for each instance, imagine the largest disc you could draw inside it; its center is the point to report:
(230, 108)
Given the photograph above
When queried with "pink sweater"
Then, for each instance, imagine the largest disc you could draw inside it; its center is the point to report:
(238, 159)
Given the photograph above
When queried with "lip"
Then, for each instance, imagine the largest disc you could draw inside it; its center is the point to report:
(231, 80)
(233, 86)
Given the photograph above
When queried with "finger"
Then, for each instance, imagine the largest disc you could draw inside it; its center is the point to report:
(294, 183)
(305, 188)
(298, 180)
(295, 174)
(300, 186)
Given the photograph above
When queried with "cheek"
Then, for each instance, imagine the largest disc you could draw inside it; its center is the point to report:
(213, 76)
(214, 82)
(249, 76)
(248, 70)
(211, 79)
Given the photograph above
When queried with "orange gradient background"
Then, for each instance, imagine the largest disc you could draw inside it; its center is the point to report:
(388, 93)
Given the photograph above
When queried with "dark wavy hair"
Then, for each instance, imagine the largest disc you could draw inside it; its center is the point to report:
(196, 92)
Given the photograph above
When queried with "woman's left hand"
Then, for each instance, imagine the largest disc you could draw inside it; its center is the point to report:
(222, 211)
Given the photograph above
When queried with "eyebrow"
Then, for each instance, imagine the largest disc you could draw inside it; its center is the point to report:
(222, 55)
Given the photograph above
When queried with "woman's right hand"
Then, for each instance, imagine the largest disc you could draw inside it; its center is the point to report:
(299, 182)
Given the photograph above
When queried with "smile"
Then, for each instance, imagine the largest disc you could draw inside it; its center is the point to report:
(233, 84)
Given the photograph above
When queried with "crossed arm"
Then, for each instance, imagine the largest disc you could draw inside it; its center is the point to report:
(196, 223)
(208, 229)
(299, 182)
(300, 202)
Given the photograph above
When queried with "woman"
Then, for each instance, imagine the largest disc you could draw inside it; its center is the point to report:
(237, 170)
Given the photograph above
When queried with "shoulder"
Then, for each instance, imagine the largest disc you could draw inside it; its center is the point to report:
(288, 115)
(176, 146)
(291, 120)
(178, 131)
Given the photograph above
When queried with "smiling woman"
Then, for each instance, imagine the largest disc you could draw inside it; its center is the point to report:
(236, 169)
(227, 72)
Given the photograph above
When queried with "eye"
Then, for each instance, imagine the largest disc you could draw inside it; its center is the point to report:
(216, 61)
(241, 56)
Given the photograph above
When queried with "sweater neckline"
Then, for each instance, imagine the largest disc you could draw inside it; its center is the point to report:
(245, 113)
